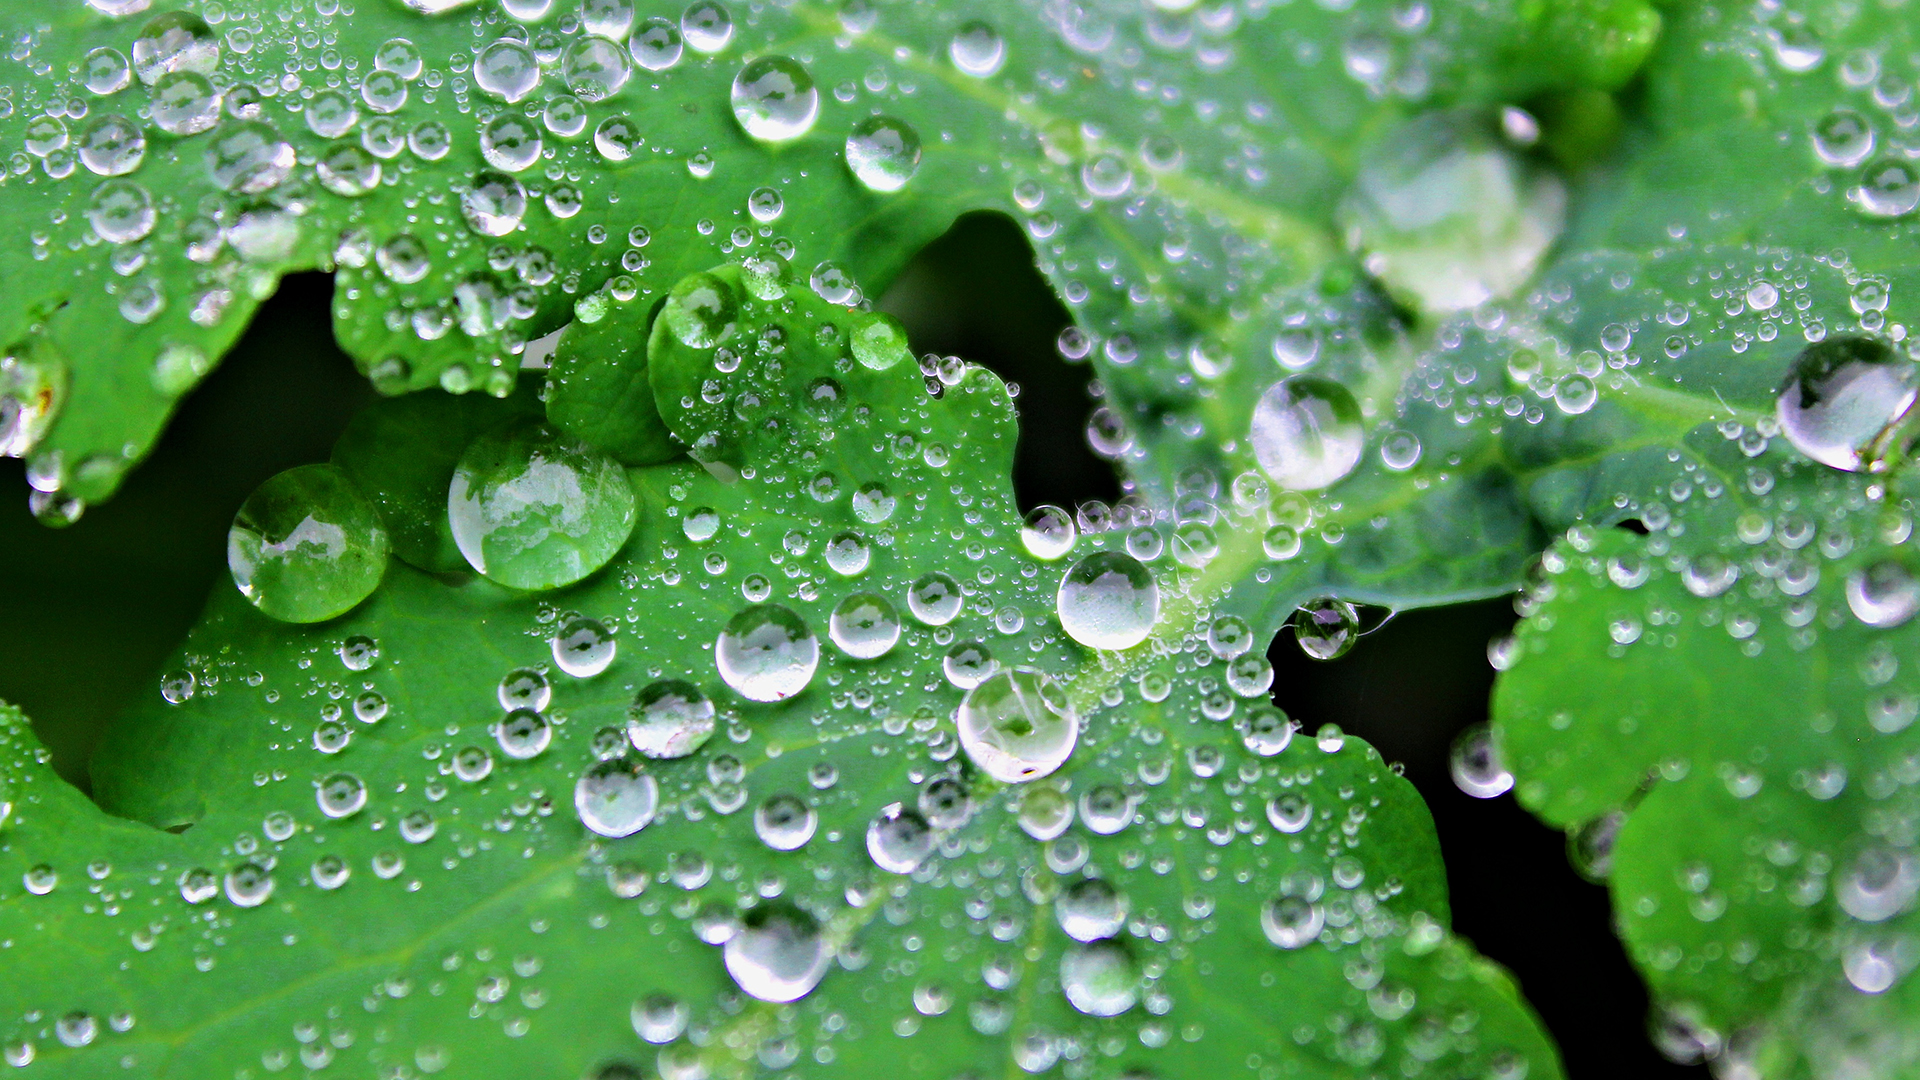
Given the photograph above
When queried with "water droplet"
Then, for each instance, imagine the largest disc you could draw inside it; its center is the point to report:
(1326, 628)
(249, 885)
(977, 49)
(1091, 909)
(879, 341)
(493, 204)
(346, 169)
(1590, 845)
(522, 734)
(1100, 978)
(341, 795)
(616, 797)
(864, 626)
(1475, 764)
(899, 839)
(1843, 138)
(1443, 212)
(532, 509)
(935, 599)
(660, 1018)
(583, 648)
(121, 211)
(175, 41)
(112, 146)
(968, 664)
(670, 718)
(596, 68)
(1291, 921)
(656, 45)
(1842, 398)
(511, 143)
(784, 823)
(1307, 433)
(1888, 188)
(1108, 600)
(524, 688)
(700, 311)
(77, 1029)
(774, 99)
(177, 686)
(184, 103)
(1880, 883)
(767, 653)
(1018, 725)
(248, 158)
(1048, 532)
(472, 764)
(198, 886)
(40, 879)
(883, 153)
(780, 954)
(106, 71)
(307, 545)
(1883, 595)
(1289, 813)
(707, 26)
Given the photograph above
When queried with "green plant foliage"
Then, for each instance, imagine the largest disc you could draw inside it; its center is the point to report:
(380, 868)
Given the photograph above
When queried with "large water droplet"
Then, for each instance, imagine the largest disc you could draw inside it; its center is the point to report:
(767, 653)
(883, 153)
(670, 718)
(899, 839)
(1447, 216)
(1842, 398)
(1843, 138)
(121, 211)
(1291, 921)
(1475, 764)
(656, 45)
(1091, 909)
(112, 146)
(1306, 433)
(532, 509)
(1884, 594)
(522, 734)
(248, 158)
(583, 647)
(774, 99)
(493, 204)
(1018, 725)
(935, 599)
(1108, 600)
(864, 626)
(176, 41)
(700, 311)
(780, 954)
(977, 49)
(784, 822)
(511, 143)
(596, 68)
(616, 797)
(660, 1018)
(707, 26)
(184, 103)
(1888, 188)
(1048, 532)
(1326, 628)
(341, 795)
(1100, 978)
(307, 545)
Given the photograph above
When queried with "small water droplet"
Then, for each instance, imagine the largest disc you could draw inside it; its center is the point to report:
(977, 49)
(1326, 628)
(784, 823)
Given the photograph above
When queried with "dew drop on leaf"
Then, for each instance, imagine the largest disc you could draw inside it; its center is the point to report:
(670, 718)
(899, 839)
(780, 954)
(616, 797)
(1841, 397)
(1108, 600)
(534, 510)
(1100, 978)
(1475, 764)
(865, 626)
(1048, 533)
(583, 647)
(707, 26)
(1091, 909)
(522, 734)
(493, 204)
(1883, 594)
(175, 41)
(784, 823)
(1307, 433)
(1291, 922)
(774, 99)
(656, 45)
(977, 49)
(307, 545)
(1018, 725)
(1326, 628)
(767, 653)
(660, 1018)
(883, 153)
(341, 795)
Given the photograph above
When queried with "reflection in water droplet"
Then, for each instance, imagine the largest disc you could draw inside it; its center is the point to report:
(249, 885)
(784, 823)
(112, 146)
(583, 648)
(1326, 628)
(1099, 979)
(1842, 396)
(248, 158)
(1888, 188)
(1306, 433)
(935, 599)
(175, 41)
(977, 49)
(767, 653)
(883, 153)
(1091, 909)
(1108, 600)
(1048, 532)
(660, 1018)
(596, 68)
(899, 839)
(493, 204)
(656, 45)
(534, 510)
(700, 311)
(780, 954)
(616, 797)
(1291, 921)
(121, 212)
(864, 626)
(1883, 595)
(1018, 725)
(670, 718)
(774, 99)
(1475, 764)
(307, 546)
(341, 795)
(707, 26)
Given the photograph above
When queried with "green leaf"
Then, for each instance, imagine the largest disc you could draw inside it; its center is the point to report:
(483, 929)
